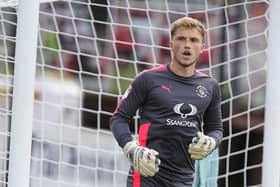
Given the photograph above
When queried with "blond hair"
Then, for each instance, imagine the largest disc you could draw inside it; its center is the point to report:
(188, 23)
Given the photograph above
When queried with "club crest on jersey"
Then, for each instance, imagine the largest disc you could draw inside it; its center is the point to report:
(185, 110)
(201, 91)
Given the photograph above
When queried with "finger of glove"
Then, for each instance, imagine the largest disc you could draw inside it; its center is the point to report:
(211, 143)
(198, 147)
(153, 152)
(199, 140)
(206, 139)
(129, 150)
(151, 165)
(198, 153)
(137, 157)
(138, 162)
(197, 157)
(144, 172)
(197, 150)
(145, 161)
(155, 159)
(147, 169)
(203, 153)
(131, 155)
(151, 156)
(130, 147)
(199, 137)
(200, 134)
(150, 161)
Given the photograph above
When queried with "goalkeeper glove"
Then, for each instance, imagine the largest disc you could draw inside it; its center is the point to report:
(143, 160)
(201, 146)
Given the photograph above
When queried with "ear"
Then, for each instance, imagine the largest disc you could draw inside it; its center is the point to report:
(170, 44)
(202, 48)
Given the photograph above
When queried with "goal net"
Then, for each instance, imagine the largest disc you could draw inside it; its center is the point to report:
(88, 53)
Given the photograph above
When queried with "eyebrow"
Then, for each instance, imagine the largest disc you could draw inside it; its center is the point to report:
(184, 37)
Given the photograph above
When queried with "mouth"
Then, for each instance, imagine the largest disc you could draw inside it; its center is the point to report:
(186, 53)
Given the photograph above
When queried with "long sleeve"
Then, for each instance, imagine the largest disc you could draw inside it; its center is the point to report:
(131, 101)
(212, 116)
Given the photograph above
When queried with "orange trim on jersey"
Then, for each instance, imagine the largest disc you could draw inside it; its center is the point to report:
(143, 133)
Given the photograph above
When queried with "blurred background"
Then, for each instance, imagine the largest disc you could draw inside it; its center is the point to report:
(88, 53)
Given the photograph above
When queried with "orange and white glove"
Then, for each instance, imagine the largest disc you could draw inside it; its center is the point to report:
(201, 146)
(143, 160)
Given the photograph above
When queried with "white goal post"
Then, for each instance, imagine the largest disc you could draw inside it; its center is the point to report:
(23, 94)
(74, 59)
(271, 160)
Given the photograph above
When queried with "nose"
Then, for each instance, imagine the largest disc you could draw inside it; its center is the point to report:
(187, 43)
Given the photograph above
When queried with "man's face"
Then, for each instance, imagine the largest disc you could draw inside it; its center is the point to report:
(186, 45)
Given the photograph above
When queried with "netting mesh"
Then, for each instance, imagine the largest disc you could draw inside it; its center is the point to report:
(7, 44)
(88, 53)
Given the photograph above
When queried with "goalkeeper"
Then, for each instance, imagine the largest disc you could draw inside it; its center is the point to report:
(180, 115)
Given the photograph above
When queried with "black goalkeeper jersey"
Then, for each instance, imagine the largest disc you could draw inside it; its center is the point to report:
(172, 109)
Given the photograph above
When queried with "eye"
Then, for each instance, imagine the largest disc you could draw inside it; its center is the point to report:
(195, 40)
(181, 38)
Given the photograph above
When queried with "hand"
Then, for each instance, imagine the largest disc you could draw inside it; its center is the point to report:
(201, 146)
(143, 160)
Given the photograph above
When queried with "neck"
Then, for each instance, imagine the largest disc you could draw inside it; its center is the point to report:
(182, 70)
